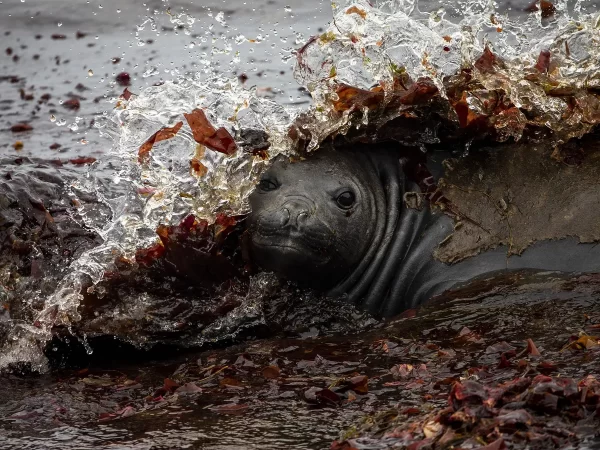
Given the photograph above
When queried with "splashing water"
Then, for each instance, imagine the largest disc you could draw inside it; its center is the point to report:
(534, 64)
(539, 63)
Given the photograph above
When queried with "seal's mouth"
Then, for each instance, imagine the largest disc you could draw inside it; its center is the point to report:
(292, 245)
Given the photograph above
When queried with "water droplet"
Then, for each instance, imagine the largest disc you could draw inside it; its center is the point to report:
(59, 24)
(52, 118)
(288, 9)
(90, 73)
(221, 18)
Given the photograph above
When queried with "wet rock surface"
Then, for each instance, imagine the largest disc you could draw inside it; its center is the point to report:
(39, 234)
(519, 194)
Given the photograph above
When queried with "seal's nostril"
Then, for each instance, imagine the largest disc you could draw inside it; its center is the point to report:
(301, 217)
(285, 216)
(297, 212)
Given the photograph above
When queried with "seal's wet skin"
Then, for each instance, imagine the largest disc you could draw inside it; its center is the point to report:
(337, 221)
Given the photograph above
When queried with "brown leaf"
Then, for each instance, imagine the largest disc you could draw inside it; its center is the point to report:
(419, 93)
(20, 127)
(349, 97)
(72, 104)
(359, 384)
(228, 381)
(271, 372)
(161, 135)
(205, 133)
(357, 10)
(583, 343)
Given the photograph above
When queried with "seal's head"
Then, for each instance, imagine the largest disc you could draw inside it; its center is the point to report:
(313, 220)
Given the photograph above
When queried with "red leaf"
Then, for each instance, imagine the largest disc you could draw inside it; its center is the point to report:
(504, 362)
(420, 92)
(126, 94)
(161, 135)
(468, 390)
(170, 385)
(123, 79)
(543, 61)
(205, 133)
(486, 61)
(104, 417)
(327, 396)
(197, 168)
(72, 104)
(532, 349)
(408, 314)
(548, 9)
(82, 160)
(343, 445)
(146, 256)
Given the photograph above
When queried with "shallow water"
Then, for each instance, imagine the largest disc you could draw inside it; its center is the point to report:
(73, 410)
(58, 410)
(58, 66)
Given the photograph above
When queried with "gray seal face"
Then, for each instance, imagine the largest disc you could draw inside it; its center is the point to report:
(336, 221)
(313, 220)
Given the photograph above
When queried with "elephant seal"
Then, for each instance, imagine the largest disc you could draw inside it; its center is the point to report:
(336, 221)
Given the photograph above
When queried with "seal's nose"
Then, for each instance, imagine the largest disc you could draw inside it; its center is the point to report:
(294, 213)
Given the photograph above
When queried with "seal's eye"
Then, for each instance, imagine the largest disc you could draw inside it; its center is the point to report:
(267, 185)
(345, 200)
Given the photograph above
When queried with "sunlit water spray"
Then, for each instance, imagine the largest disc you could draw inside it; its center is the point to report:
(539, 61)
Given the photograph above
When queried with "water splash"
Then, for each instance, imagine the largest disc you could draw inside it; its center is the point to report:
(539, 63)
